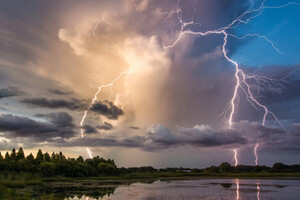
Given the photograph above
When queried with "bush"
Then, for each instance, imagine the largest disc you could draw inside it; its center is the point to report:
(48, 169)
(106, 169)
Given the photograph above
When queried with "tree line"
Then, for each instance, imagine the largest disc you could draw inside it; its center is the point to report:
(226, 167)
(58, 164)
(55, 164)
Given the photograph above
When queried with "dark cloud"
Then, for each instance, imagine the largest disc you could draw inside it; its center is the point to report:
(271, 138)
(200, 135)
(17, 126)
(160, 137)
(107, 109)
(73, 104)
(23, 125)
(60, 92)
(105, 126)
(9, 92)
(243, 134)
(61, 119)
(59, 132)
(134, 127)
(133, 142)
(89, 129)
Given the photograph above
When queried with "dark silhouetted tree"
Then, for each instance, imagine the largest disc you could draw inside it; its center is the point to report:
(106, 169)
(39, 156)
(30, 157)
(80, 159)
(212, 169)
(47, 157)
(13, 154)
(48, 169)
(280, 167)
(225, 167)
(53, 156)
(7, 157)
(20, 154)
(61, 156)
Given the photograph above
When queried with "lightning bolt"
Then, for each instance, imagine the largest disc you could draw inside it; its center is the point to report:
(236, 162)
(240, 76)
(94, 100)
(89, 152)
(255, 154)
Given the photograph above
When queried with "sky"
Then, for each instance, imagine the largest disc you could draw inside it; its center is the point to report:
(147, 82)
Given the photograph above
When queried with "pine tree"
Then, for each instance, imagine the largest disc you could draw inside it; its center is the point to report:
(47, 157)
(61, 156)
(20, 154)
(13, 154)
(39, 156)
(53, 156)
(1, 157)
(80, 159)
(30, 157)
(7, 157)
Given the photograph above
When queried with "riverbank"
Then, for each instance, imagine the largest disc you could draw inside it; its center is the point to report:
(21, 181)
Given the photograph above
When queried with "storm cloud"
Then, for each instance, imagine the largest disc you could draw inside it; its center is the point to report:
(16, 126)
(105, 126)
(73, 104)
(89, 129)
(243, 134)
(131, 142)
(61, 119)
(60, 131)
(107, 109)
(60, 92)
(199, 135)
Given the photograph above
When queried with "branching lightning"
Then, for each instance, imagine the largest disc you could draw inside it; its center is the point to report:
(94, 100)
(241, 77)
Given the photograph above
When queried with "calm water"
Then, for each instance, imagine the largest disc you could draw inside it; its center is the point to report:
(208, 189)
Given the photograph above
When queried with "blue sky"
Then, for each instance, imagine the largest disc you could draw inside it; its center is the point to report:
(280, 26)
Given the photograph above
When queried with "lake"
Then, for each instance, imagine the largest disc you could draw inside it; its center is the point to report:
(208, 189)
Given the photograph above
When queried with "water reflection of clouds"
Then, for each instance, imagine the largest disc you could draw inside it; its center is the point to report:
(209, 189)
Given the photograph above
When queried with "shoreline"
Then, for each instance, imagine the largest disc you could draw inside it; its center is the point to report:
(145, 177)
(181, 177)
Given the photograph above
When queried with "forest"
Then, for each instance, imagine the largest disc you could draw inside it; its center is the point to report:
(58, 165)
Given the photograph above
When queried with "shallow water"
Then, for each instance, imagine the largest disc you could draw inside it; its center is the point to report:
(206, 189)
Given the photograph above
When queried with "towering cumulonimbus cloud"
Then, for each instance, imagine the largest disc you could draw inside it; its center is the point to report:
(186, 28)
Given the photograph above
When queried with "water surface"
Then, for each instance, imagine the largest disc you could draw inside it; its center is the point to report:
(208, 189)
